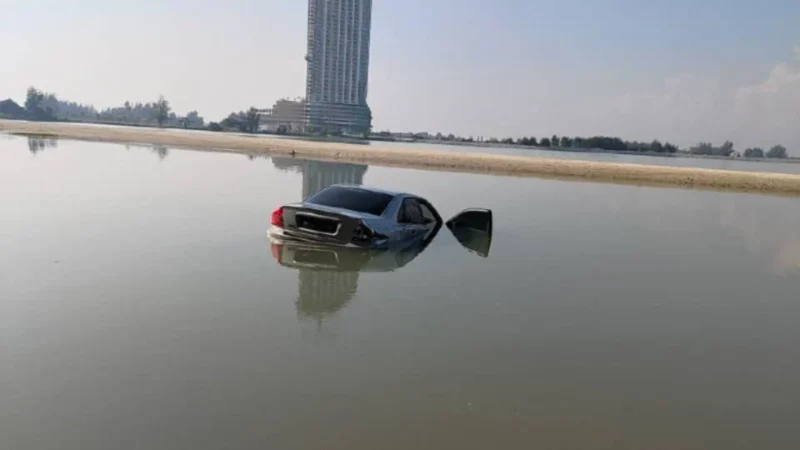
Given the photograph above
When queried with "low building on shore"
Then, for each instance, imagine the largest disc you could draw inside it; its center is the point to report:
(285, 115)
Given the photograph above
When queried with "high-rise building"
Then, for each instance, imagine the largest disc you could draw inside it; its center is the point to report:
(338, 65)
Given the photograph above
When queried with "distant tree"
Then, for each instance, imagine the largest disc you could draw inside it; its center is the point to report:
(35, 106)
(194, 120)
(670, 148)
(235, 121)
(754, 153)
(566, 142)
(252, 119)
(545, 142)
(726, 149)
(214, 126)
(703, 148)
(32, 100)
(554, 141)
(11, 110)
(508, 141)
(578, 142)
(656, 146)
(777, 151)
(162, 110)
(282, 129)
(636, 146)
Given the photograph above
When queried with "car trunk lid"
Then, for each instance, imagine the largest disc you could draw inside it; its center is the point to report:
(320, 224)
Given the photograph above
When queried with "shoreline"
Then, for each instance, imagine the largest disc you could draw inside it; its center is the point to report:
(467, 162)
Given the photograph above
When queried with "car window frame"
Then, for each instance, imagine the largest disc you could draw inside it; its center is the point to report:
(401, 215)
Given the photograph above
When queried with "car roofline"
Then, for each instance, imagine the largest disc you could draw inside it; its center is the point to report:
(373, 189)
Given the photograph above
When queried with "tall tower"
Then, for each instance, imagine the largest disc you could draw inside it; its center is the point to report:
(338, 65)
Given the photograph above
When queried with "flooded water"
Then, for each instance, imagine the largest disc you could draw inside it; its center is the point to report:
(142, 306)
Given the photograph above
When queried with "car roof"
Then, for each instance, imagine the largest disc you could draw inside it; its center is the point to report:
(373, 189)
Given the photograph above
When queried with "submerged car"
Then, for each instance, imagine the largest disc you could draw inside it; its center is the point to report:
(368, 218)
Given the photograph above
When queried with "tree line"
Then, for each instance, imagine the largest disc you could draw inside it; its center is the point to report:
(243, 121)
(727, 150)
(594, 142)
(616, 144)
(43, 106)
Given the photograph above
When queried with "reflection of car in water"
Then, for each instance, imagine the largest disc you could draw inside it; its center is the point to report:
(302, 255)
(359, 218)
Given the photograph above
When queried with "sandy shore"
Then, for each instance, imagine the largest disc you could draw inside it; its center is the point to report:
(646, 175)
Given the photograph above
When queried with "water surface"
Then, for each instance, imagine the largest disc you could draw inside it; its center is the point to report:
(142, 306)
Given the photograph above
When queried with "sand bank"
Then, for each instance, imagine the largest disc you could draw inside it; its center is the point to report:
(638, 174)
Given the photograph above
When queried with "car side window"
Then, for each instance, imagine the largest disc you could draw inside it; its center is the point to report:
(427, 214)
(410, 212)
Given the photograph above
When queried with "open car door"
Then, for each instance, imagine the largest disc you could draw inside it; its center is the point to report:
(473, 229)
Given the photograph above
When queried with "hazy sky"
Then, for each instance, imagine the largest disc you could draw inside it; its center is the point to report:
(678, 70)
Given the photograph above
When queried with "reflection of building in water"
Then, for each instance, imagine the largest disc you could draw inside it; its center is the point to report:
(288, 164)
(323, 293)
(318, 175)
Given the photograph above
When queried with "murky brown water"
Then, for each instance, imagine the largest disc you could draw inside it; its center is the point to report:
(142, 307)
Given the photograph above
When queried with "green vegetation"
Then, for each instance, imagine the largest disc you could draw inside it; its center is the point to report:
(777, 151)
(245, 122)
(754, 153)
(705, 148)
(162, 111)
(9, 109)
(41, 106)
(609, 144)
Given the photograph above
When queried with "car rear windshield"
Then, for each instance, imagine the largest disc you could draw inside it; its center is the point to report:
(352, 198)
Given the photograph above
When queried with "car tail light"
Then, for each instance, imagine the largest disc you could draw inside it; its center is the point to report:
(277, 217)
